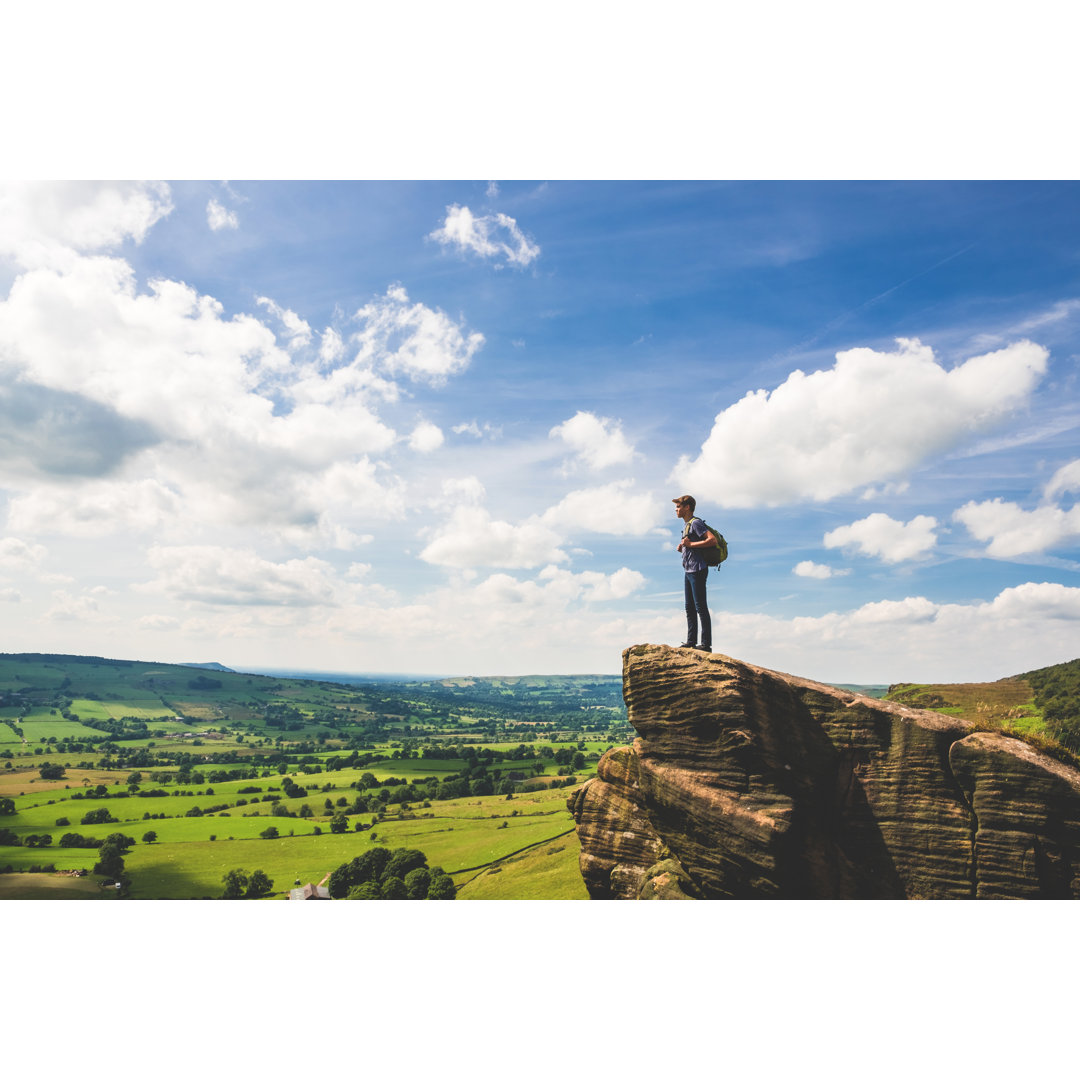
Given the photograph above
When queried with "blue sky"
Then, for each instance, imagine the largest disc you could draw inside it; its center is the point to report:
(436, 426)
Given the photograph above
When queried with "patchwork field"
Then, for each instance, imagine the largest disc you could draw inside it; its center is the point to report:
(290, 777)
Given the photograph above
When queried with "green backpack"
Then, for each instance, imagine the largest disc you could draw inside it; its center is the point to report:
(713, 556)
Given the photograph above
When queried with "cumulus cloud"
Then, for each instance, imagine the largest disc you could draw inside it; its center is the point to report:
(103, 506)
(613, 509)
(218, 217)
(150, 402)
(886, 538)
(490, 236)
(210, 574)
(409, 338)
(473, 538)
(18, 556)
(1010, 531)
(810, 569)
(873, 417)
(591, 586)
(597, 441)
(913, 639)
(42, 223)
(426, 437)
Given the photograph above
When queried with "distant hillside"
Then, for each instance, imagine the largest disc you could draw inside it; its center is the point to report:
(213, 665)
(1057, 693)
(1045, 702)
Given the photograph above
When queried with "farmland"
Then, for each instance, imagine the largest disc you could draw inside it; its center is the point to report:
(201, 771)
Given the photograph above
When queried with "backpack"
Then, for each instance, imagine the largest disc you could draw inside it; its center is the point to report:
(715, 555)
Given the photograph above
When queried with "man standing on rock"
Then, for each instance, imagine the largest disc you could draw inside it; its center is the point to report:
(695, 537)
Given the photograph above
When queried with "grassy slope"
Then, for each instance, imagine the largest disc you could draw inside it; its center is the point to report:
(1013, 705)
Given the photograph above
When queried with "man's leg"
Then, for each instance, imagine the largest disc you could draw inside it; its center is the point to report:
(691, 610)
(701, 607)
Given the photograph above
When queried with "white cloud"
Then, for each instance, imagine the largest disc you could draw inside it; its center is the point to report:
(167, 412)
(873, 417)
(297, 330)
(886, 538)
(1066, 479)
(476, 431)
(210, 574)
(613, 510)
(591, 586)
(913, 639)
(472, 538)
(426, 437)
(10, 596)
(411, 339)
(218, 217)
(101, 505)
(598, 441)
(18, 555)
(461, 491)
(1011, 531)
(42, 223)
(491, 236)
(809, 569)
(69, 607)
(331, 347)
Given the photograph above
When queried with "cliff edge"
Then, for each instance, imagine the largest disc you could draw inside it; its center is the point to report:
(747, 783)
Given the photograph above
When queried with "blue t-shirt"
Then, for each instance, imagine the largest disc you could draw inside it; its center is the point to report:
(691, 557)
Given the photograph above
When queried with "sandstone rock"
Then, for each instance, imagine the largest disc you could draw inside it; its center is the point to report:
(748, 783)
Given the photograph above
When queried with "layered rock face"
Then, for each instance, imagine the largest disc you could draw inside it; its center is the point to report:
(746, 783)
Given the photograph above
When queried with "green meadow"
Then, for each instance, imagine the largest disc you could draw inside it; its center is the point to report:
(208, 771)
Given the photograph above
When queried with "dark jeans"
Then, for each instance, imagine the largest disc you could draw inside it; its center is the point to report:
(697, 607)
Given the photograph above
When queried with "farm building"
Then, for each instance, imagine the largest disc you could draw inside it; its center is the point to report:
(310, 892)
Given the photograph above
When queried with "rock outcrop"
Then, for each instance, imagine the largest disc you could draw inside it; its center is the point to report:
(746, 783)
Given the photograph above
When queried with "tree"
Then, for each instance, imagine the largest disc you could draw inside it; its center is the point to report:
(441, 888)
(258, 885)
(110, 862)
(236, 883)
(366, 890)
(340, 882)
(51, 771)
(7, 806)
(339, 823)
(402, 860)
(417, 882)
(270, 834)
(149, 837)
(370, 865)
(121, 841)
(393, 888)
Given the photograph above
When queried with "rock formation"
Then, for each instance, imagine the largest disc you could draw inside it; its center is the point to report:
(746, 783)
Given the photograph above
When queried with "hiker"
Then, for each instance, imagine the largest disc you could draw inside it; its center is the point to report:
(696, 536)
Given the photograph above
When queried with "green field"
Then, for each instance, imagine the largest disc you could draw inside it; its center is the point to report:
(474, 773)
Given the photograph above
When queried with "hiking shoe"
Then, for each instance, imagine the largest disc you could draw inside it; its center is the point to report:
(688, 645)
(701, 648)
